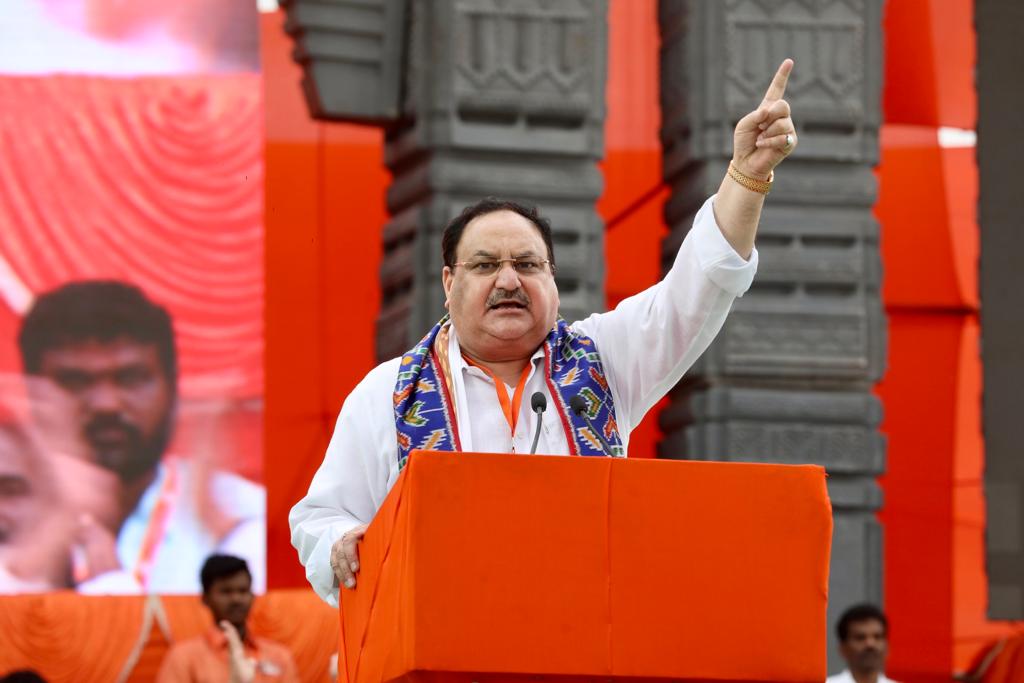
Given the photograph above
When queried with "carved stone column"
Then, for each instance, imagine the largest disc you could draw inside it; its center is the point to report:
(789, 378)
(504, 98)
(479, 98)
(351, 53)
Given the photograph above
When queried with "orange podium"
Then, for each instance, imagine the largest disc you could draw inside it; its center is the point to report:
(494, 567)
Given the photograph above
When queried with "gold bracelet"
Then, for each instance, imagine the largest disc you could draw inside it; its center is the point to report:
(762, 186)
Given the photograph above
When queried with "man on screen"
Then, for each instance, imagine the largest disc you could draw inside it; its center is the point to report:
(108, 352)
(468, 385)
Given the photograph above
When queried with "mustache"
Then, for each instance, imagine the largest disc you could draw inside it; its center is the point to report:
(102, 423)
(502, 296)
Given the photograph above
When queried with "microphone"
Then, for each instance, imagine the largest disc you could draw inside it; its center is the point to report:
(579, 406)
(539, 403)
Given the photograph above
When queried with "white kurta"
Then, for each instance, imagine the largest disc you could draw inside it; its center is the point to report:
(846, 677)
(645, 344)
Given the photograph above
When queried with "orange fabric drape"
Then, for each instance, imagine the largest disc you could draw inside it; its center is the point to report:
(85, 639)
(1007, 661)
(437, 594)
(68, 637)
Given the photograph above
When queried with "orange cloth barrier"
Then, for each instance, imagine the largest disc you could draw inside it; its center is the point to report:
(1008, 664)
(493, 567)
(87, 639)
(1001, 661)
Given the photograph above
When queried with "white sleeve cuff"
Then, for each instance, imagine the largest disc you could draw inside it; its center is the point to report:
(319, 572)
(716, 257)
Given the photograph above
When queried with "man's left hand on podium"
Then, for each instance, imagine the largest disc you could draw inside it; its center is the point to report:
(345, 556)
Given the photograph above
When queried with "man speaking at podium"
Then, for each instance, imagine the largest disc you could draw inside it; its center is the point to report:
(503, 373)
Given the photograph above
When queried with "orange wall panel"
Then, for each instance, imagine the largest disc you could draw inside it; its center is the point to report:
(919, 394)
(634, 193)
(927, 206)
(936, 590)
(354, 214)
(934, 517)
(929, 63)
(323, 213)
(291, 396)
(633, 258)
(972, 629)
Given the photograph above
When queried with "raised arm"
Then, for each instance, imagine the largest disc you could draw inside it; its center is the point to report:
(762, 139)
(653, 337)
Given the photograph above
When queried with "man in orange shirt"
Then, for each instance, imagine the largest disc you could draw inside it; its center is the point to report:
(228, 652)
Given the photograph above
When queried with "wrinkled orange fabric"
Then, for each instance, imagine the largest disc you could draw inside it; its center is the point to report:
(87, 639)
(69, 637)
(1008, 664)
(498, 567)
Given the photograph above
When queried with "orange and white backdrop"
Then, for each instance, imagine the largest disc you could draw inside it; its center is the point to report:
(131, 149)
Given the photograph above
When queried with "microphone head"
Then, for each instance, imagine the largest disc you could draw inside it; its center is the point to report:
(578, 404)
(539, 402)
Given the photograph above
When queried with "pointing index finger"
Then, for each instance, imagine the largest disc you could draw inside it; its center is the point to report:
(778, 87)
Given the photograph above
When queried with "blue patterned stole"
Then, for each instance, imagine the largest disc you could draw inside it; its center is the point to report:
(425, 411)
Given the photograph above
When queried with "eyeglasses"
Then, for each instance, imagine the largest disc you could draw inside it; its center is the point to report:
(526, 266)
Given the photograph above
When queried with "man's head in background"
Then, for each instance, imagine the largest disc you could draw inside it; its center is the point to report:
(863, 634)
(111, 349)
(23, 676)
(227, 589)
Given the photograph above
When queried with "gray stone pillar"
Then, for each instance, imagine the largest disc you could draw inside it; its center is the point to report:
(1000, 205)
(502, 98)
(479, 98)
(789, 379)
(351, 53)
